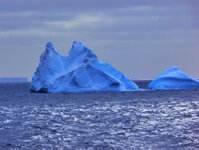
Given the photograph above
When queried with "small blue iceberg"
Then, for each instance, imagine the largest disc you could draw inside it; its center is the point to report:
(80, 71)
(174, 78)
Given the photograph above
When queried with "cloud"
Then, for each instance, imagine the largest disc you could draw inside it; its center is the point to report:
(79, 20)
(32, 32)
(135, 32)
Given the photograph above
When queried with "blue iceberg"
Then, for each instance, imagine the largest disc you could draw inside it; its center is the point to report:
(174, 78)
(80, 71)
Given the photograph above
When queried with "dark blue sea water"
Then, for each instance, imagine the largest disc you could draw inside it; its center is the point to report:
(107, 120)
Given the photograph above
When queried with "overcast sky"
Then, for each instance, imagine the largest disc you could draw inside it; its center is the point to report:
(141, 38)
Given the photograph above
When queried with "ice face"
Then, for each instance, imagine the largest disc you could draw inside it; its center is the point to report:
(80, 71)
(174, 78)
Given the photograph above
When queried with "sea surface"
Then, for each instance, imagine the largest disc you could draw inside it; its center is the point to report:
(98, 120)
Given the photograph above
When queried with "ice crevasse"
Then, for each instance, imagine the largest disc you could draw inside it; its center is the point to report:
(80, 71)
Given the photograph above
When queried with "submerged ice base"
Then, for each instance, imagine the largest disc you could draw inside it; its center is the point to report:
(80, 71)
(174, 78)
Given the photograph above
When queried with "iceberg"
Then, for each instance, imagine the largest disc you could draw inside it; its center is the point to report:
(80, 71)
(174, 78)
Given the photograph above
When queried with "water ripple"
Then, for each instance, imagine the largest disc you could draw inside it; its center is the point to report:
(101, 125)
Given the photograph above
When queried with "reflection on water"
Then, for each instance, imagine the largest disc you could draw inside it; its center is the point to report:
(102, 125)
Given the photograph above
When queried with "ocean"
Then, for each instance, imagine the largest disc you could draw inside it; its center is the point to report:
(98, 120)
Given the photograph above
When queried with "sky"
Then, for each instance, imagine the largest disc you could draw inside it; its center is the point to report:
(141, 38)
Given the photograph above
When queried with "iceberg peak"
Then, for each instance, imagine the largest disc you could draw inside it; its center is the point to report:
(82, 53)
(50, 46)
(77, 45)
(171, 70)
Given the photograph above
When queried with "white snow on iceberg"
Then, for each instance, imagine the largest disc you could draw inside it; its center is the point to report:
(174, 78)
(80, 71)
